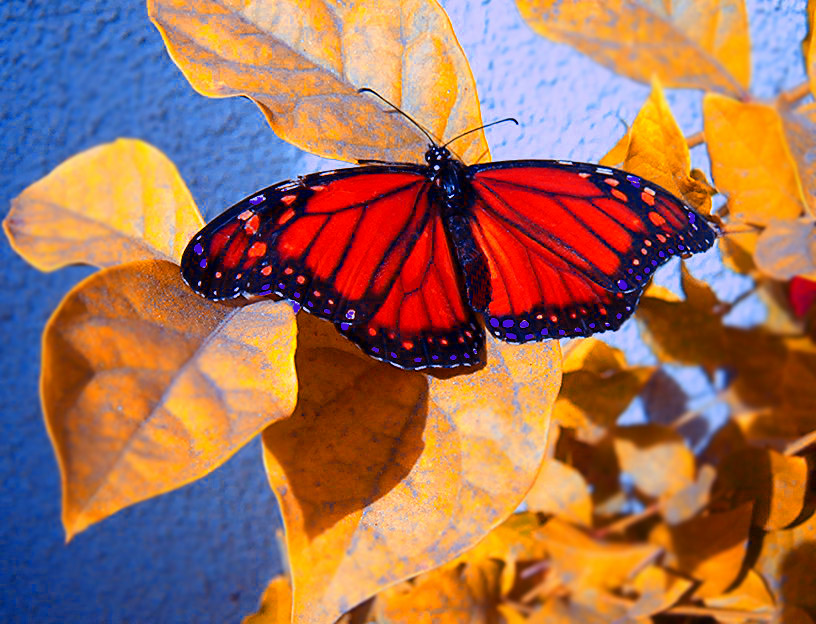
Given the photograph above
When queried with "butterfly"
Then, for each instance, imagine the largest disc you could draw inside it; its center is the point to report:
(405, 258)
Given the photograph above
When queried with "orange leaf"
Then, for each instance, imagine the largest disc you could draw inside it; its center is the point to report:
(787, 248)
(808, 46)
(562, 491)
(658, 590)
(598, 385)
(655, 149)
(786, 563)
(302, 64)
(750, 160)
(799, 126)
(115, 203)
(776, 484)
(439, 597)
(656, 457)
(686, 503)
(750, 595)
(697, 45)
(147, 387)
(583, 563)
(709, 548)
(276, 604)
(382, 474)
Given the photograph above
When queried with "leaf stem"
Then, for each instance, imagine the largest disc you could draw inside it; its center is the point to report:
(800, 444)
(792, 96)
(698, 138)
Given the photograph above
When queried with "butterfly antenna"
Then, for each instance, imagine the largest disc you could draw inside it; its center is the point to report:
(492, 123)
(401, 112)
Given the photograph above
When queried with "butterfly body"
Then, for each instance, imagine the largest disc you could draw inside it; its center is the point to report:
(401, 257)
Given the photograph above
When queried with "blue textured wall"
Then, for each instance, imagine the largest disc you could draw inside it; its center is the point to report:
(76, 74)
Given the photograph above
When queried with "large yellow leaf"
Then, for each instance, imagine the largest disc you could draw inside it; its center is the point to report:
(698, 44)
(799, 125)
(750, 160)
(302, 63)
(382, 474)
(147, 387)
(115, 203)
(562, 491)
(655, 149)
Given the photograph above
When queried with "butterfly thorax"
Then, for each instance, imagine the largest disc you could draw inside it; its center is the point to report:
(448, 180)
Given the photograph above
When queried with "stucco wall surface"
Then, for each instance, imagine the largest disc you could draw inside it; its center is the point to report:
(77, 74)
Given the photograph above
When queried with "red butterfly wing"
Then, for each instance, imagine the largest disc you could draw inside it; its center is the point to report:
(569, 246)
(333, 242)
(424, 321)
(363, 247)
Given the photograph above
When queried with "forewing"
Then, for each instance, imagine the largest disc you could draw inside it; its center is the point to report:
(424, 321)
(570, 246)
(333, 242)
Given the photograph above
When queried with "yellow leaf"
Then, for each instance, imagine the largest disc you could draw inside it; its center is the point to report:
(808, 48)
(276, 604)
(598, 385)
(147, 387)
(656, 458)
(658, 590)
(687, 502)
(698, 45)
(776, 484)
(382, 474)
(750, 595)
(655, 149)
(302, 64)
(750, 160)
(738, 251)
(786, 563)
(584, 563)
(787, 248)
(709, 548)
(115, 203)
(562, 491)
(799, 126)
(439, 597)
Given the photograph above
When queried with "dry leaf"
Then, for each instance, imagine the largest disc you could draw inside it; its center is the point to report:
(562, 491)
(699, 45)
(750, 160)
(802, 295)
(302, 64)
(786, 563)
(687, 502)
(799, 125)
(808, 46)
(115, 203)
(598, 385)
(709, 548)
(656, 458)
(439, 597)
(382, 474)
(654, 148)
(276, 604)
(658, 590)
(750, 595)
(147, 387)
(787, 248)
(776, 484)
(583, 563)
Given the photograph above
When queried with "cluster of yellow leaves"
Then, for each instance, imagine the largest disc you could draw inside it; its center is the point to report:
(380, 473)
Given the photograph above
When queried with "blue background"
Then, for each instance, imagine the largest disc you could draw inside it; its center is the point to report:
(77, 74)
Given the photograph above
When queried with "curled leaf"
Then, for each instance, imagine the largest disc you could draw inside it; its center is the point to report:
(302, 64)
(382, 474)
(115, 203)
(696, 45)
(147, 387)
(655, 149)
(750, 160)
